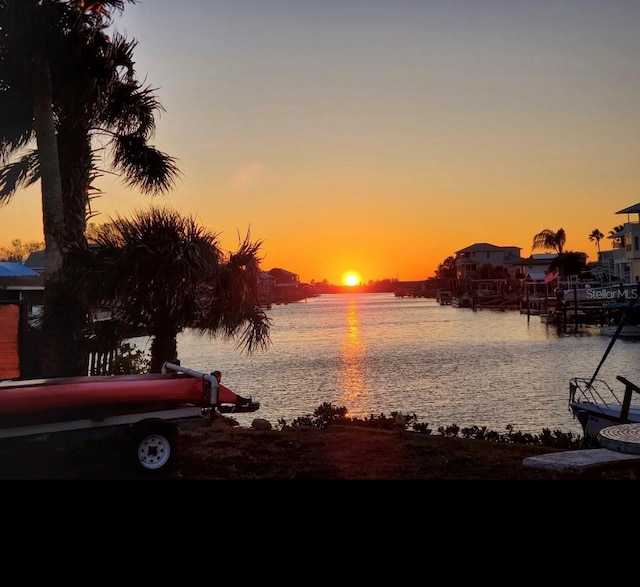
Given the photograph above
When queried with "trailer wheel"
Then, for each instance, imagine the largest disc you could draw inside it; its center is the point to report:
(153, 448)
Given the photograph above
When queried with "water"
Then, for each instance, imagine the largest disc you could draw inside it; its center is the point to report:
(376, 354)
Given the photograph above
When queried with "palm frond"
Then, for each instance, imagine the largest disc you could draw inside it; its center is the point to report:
(144, 166)
(19, 174)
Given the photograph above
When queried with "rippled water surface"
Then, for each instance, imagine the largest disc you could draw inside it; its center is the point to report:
(375, 354)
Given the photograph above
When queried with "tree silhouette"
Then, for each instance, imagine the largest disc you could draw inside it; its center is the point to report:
(548, 239)
(447, 269)
(569, 263)
(161, 272)
(613, 235)
(66, 83)
(596, 236)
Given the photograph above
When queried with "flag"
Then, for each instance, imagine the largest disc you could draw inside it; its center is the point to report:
(551, 276)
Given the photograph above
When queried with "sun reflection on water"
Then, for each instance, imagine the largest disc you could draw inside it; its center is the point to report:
(353, 362)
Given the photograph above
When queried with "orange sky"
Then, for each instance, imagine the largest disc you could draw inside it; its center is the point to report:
(383, 137)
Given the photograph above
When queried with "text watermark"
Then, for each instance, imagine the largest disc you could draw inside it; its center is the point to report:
(612, 294)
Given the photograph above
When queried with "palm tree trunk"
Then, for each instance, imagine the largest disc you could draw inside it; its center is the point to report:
(51, 183)
(164, 347)
(52, 220)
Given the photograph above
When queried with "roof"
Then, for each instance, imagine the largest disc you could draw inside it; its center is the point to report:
(37, 260)
(8, 269)
(510, 259)
(630, 210)
(539, 260)
(536, 275)
(481, 247)
(544, 256)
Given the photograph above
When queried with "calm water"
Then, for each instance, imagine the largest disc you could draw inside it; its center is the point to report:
(376, 354)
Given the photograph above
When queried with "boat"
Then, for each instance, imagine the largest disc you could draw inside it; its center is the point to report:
(627, 331)
(595, 292)
(444, 297)
(617, 311)
(596, 405)
(463, 301)
(593, 402)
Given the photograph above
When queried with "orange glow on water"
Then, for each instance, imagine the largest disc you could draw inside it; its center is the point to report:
(353, 359)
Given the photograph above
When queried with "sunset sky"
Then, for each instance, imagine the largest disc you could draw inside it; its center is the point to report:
(382, 136)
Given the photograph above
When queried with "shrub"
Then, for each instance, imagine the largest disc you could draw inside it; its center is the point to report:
(327, 414)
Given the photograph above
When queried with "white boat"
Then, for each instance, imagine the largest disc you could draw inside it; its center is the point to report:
(625, 313)
(596, 405)
(593, 402)
(627, 331)
(597, 293)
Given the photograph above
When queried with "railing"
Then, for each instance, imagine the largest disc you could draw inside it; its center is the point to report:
(584, 390)
(599, 393)
(101, 362)
(626, 402)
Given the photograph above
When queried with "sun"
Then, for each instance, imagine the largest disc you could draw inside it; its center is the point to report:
(351, 278)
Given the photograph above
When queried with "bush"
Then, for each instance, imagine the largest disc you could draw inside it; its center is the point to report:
(327, 414)
(130, 360)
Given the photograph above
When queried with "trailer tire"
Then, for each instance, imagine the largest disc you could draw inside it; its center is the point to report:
(153, 448)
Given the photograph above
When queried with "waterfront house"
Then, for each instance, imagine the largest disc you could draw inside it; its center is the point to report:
(288, 288)
(470, 259)
(487, 270)
(267, 283)
(622, 263)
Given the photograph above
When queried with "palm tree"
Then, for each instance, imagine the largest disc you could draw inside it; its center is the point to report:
(28, 32)
(90, 82)
(569, 263)
(26, 110)
(162, 272)
(613, 235)
(116, 108)
(596, 236)
(548, 239)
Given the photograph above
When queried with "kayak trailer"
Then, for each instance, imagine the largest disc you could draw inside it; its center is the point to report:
(147, 411)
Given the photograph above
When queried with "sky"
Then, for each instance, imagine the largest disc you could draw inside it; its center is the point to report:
(382, 137)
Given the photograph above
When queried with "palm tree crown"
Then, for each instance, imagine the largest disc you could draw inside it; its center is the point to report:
(596, 236)
(614, 235)
(548, 239)
(161, 271)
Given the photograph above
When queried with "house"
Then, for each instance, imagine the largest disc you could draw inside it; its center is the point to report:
(536, 267)
(21, 298)
(287, 287)
(21, 284)
(622, 262)
(470, 259)
(36, 261)
(267, 285)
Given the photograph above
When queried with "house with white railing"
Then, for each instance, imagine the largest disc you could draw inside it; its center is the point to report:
(622, 263)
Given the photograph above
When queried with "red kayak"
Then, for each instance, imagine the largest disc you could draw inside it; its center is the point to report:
(98, 396)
